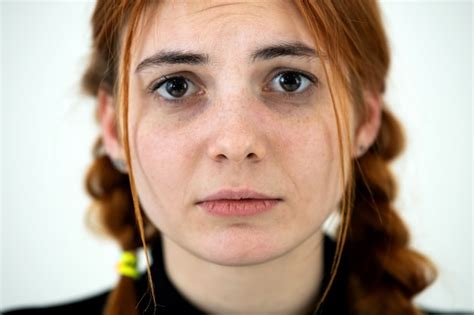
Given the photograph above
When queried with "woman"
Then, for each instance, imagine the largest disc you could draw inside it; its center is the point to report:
(230, 132)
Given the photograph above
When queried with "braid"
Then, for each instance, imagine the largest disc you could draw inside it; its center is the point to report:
(111, 214)
(385, 274)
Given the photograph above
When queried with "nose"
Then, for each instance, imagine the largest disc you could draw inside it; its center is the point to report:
(237, 136)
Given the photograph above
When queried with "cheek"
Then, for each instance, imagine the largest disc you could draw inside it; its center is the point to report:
(314, 158)
(162, 167)
(163, 157)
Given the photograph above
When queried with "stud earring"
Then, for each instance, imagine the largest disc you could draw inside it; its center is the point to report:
(361, 150)
(119, 165)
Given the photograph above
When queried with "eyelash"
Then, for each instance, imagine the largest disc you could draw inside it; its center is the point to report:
(155, 86)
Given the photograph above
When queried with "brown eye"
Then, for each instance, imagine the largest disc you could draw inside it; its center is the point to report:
(174, 87)
(291, 82)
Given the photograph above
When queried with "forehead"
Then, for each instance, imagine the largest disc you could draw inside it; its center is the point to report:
(221, 26)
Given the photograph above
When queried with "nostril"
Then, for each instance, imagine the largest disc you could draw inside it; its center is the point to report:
(221, 157)
(252, 155)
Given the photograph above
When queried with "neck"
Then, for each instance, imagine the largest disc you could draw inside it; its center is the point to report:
(289, 284)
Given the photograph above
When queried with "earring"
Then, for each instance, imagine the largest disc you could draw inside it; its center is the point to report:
(361, 150)
(119, 165)
(101, 151)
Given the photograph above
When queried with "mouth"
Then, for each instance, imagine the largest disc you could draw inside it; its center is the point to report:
(238, 207)
(238, 202)
(237, 194)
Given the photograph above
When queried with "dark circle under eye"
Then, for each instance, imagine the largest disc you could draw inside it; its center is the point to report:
(176, 87)
(290, 81)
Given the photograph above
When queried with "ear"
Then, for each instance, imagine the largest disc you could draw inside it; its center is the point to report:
(368, 126)
(108, 126)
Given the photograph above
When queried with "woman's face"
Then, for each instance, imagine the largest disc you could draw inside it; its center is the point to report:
(250, 109)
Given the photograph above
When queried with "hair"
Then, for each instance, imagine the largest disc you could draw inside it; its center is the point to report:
(384, 273)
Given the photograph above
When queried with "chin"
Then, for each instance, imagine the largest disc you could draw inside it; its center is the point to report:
(240, 246)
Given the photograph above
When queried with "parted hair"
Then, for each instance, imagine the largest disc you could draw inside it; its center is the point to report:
(384, 273)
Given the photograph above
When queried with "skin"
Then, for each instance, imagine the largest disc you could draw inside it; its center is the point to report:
(232, 132)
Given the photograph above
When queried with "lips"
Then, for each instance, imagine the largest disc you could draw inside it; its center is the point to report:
(242, 202)
(237, 194)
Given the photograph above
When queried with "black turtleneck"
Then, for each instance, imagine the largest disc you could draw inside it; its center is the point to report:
(171, 301)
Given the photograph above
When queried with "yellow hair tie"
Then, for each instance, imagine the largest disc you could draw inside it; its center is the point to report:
(128, 265)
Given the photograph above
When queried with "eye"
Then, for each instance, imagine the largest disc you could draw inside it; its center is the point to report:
(291, 82)
(172, 88)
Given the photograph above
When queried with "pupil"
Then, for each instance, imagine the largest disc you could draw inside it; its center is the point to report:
(290, 81)
(176, 87)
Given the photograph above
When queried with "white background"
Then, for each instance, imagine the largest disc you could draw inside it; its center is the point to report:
(47, 130)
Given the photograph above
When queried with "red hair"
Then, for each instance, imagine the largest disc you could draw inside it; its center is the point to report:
(384, 273)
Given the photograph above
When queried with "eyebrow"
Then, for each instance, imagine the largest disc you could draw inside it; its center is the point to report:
(173, 57)
(296, 49)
